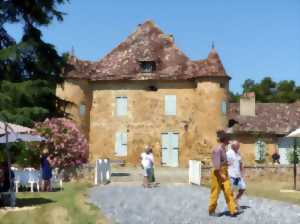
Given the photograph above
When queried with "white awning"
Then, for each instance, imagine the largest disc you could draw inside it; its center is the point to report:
(14, 128)
(12, 137)
(294, 134)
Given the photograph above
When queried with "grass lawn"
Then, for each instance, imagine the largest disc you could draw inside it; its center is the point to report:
(66, 207)
(271, 189)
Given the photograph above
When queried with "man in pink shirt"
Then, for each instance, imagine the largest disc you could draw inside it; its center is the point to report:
(220, 178)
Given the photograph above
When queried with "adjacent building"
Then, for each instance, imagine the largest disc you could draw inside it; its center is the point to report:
(261, 128)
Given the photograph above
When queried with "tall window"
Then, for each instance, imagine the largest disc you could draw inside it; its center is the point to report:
(260, 150)
(121, 105)
(224, 107)
(170, 105)
(82, 109)
(121, 144)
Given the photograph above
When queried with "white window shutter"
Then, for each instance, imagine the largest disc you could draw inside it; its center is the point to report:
(224, 107)
(118, 143)
(175, 141)
(121, 144)
(121, 106)
(124, 144)
(82, 109)
(165, 145)
(260, 150)
(170, 105)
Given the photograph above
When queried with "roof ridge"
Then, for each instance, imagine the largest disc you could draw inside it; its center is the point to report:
(149, 42)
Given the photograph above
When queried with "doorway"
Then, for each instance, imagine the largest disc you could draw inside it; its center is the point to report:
(170, 148)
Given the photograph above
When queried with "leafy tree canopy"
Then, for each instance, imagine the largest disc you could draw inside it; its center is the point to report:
(267, 90)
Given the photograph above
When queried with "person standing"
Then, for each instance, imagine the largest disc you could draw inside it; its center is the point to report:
(46, 170)
(236, 170)
(220, 179)
(147, 162)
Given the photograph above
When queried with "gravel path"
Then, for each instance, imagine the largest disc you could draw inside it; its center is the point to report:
(182, 204)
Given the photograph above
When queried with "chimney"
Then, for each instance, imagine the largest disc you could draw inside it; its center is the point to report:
(247, 104)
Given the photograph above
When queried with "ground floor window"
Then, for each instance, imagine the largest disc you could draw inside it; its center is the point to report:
(260, 150)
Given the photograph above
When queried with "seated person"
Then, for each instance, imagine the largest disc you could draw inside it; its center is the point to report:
(276, 157)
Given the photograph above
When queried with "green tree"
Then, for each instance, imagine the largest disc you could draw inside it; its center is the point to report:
(268, 90)
(31, 68)
(248, 85)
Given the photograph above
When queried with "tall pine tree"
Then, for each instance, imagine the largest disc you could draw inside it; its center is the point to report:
(31, 68)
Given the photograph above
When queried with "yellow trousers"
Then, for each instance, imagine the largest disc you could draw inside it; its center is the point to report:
(216, 186)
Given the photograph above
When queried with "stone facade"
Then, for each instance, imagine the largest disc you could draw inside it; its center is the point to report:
(248, 147)
(198, 116)
(145, 68)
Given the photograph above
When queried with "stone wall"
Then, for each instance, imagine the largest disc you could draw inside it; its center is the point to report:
(247, 147)
(197, 118)
(261, 172)
(77, 92)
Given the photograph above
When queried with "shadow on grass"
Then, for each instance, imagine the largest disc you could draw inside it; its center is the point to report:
(120, 174)
(23, 202)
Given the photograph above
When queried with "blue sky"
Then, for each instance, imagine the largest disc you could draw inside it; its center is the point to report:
(254, 38)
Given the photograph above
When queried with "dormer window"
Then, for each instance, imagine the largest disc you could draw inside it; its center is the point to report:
(147, 66)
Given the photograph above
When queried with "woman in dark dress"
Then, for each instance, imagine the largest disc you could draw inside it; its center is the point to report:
(46, 169)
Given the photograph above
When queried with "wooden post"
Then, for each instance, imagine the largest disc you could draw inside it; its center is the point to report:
(8, 158)
(295, 168)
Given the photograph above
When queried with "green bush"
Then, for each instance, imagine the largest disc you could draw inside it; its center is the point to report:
(22, 154)
(290, 154)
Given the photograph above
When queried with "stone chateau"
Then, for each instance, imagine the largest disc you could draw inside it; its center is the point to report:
(146, 91)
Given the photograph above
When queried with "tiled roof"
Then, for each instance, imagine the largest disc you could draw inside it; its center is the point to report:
(147, 43)
(270, 118)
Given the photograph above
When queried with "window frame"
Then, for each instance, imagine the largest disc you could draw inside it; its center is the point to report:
(260, 156)
(119, 112)
(172, 111)
(143, 66)
(123, 137)
(224, 107)
(82, 109)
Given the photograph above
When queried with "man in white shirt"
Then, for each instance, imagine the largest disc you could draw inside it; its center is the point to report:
(235, 169)
(147, 162)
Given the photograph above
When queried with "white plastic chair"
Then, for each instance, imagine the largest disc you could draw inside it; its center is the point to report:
(30, 169)
(14, 168)
(33, 178)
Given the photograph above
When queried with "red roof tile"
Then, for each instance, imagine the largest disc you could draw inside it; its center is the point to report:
(147, 43)
(270, 118)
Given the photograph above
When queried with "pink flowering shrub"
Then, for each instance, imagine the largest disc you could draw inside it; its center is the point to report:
(66, 144)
